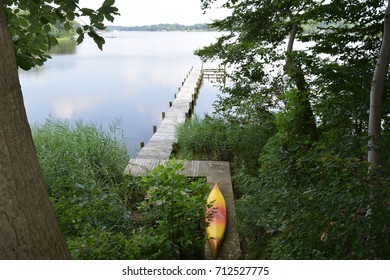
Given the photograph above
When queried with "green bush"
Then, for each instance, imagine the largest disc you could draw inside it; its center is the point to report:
(313, 204)
(174, 209)
(312, 199)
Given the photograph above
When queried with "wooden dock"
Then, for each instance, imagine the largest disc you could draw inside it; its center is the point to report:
(159, 148)
(160, 145)
(214, 73)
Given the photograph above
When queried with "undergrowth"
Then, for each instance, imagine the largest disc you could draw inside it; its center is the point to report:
(105, 214)
(295, 200)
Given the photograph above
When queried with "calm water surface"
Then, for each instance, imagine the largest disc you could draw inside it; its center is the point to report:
(133, 79)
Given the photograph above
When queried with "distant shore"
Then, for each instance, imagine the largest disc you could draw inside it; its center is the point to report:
(162, 27)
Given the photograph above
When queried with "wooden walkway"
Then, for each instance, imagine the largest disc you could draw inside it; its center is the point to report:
(214, 73)
(160, 145)
(159, 148)
(214, 171)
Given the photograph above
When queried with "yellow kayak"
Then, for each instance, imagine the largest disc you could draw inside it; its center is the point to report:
(216, 217)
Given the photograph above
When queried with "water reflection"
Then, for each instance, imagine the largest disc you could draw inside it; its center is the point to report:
(134, 79)
(65, 46)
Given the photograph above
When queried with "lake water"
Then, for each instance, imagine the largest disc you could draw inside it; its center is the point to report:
(134, 78)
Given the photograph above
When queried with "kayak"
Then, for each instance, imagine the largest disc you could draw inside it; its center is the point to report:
(216, 218)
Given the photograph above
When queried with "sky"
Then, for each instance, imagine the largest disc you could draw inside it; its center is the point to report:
(148, 12)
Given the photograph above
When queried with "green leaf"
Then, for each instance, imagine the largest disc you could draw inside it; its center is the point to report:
(109, 17)
(87, 11)
(52, 41)
(67, 26)
(23, 21)
(99, 26)
(80, 39)
(98, 39)
(47, 28)
(108, 3)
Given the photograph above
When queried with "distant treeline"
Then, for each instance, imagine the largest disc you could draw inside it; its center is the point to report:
(162, 27)
(64, 30)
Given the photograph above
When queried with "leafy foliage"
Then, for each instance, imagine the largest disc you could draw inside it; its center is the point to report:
(59, 30)
(31, 22)
(313, 204)
(175, 208)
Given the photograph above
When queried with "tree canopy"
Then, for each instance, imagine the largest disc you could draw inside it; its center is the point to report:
(324, 51)
(31, 23)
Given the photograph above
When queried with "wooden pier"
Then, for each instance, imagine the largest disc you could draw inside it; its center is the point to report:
(214, 73)
(158, 150)
(160, 145)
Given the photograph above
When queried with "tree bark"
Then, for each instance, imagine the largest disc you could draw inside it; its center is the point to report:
(28, 227)
(376, 94)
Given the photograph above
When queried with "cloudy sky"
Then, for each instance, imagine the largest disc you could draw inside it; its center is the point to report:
(147, 12)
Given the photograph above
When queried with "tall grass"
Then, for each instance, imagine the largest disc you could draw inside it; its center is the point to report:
(203, 139)
(80, 153)
(83, 169)
(217, 139)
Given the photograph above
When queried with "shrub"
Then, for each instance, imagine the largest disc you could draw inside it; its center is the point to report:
(313, 204)
(175, 211)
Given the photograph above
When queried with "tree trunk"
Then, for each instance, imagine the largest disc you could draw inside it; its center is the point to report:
(28, 227)
(376, 94)
(294, 70)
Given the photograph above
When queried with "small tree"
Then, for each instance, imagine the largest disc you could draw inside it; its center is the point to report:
(376, 96)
